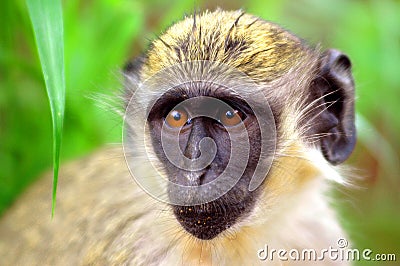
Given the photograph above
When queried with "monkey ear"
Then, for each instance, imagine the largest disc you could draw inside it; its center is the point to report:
(131, 72)
(133, 66)
(335, 86)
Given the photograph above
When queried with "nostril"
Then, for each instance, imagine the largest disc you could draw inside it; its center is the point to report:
(202, 178)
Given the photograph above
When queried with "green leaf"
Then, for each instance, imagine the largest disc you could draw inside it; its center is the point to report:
(46, 17)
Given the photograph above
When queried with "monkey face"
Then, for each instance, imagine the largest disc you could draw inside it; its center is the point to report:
(207, 136)
(189, 116)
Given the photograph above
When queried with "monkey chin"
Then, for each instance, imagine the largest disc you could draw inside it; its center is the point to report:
(206, 221)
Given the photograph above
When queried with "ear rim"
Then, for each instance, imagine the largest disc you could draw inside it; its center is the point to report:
(335, 70)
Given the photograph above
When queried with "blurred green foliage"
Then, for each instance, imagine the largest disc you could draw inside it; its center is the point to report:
(100, 36)
(97, 42)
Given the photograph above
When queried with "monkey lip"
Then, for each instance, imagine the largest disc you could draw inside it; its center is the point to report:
(208, 220)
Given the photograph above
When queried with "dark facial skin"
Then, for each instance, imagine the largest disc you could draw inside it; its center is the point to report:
(207, 220)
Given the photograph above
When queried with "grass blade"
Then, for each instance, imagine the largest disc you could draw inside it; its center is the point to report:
(46, 17)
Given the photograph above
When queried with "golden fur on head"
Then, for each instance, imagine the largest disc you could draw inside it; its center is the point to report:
(258, 48)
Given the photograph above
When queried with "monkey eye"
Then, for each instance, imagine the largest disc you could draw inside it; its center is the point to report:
(231, 118)
(177, 118)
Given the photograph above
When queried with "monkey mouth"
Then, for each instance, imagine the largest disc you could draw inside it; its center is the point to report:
(207, 220)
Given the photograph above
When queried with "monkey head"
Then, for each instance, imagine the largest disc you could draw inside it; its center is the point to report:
(226, 110)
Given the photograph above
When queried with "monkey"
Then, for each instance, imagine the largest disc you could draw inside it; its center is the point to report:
(217, 83)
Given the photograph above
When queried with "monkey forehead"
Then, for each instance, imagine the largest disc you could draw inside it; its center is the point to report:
(261, 49)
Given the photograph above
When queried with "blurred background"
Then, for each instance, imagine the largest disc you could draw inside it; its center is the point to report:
(100, 36)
